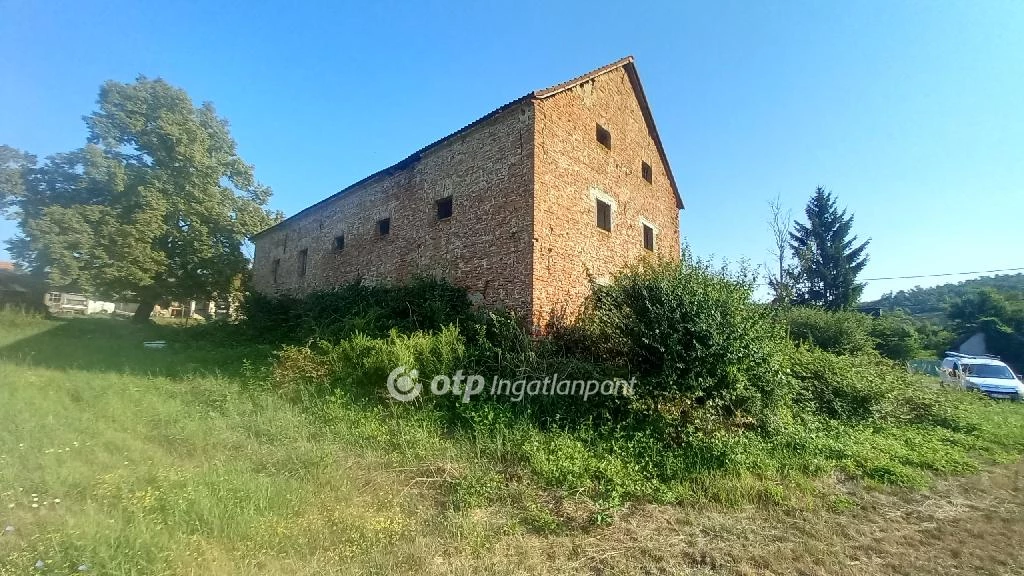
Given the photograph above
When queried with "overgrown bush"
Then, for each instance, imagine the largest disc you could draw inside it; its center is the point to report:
(422, 304)
(271, 319)
(896, 337)
(849, 332)
(868, 388)
(361, 364)
(700, 347)
(724, 400)
(845, 332)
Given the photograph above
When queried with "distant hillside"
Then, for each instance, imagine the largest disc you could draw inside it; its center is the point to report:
(932, 302)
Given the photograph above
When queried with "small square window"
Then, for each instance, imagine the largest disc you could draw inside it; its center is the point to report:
(604, 137)
(648, 238)
(303, 257)
(646, 172)
(384, 226)
(274, 267)
(339, 242)
(444, 208)
(604, 215)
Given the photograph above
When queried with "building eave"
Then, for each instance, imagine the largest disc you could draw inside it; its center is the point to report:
(627, 64)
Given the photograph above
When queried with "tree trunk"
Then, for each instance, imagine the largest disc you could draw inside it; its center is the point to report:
(144, 310)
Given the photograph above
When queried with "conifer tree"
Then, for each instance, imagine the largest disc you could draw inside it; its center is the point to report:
(827, 254)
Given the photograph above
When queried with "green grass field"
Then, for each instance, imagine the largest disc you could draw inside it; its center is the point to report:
(115, 459)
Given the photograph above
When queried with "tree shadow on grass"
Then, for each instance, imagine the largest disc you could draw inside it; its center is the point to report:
(114, 345)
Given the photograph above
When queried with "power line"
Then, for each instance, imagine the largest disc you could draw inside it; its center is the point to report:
(766, 284)
(943, 274)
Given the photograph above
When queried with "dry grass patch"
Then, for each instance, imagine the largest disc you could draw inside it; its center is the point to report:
(958, 526)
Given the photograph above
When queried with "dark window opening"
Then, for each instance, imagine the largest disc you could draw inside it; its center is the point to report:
(646, 172)
(384, 226)
(648, 238)
(604, 215)
(339, 242)
(444, 208)
(274, 267)
(604, 137)
(303, 256)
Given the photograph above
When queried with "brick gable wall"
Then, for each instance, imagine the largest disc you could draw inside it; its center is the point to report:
(571, 170)
(484, 246)
(523, 233)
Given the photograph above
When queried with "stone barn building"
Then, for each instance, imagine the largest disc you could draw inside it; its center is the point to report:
(523, 207)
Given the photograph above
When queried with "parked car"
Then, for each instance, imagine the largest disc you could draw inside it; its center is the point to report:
(985, 374)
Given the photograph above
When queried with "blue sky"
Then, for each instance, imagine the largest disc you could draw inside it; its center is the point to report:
(911, 112)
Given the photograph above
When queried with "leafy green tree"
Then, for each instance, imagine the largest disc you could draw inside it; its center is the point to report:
(14, 165)
(157, 204)
(967, 313)
(1004, 342)
(828, 256)
(935, 338)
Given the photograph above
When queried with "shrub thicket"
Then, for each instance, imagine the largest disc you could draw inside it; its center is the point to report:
(703, 351)
(423, 304)
(843, 332)
(723, 397)
(361, 364)
(849, 332)
(870, 389)
(896, 337)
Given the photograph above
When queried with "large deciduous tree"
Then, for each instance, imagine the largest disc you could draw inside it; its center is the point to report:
(14, 166)
(157, 204)
(828, 256)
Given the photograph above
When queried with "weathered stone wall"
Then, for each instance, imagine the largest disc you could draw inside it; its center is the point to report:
(571, 169)
(484, 246)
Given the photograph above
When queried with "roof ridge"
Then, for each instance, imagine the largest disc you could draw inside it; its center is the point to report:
(536, 94)
(552, 90)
